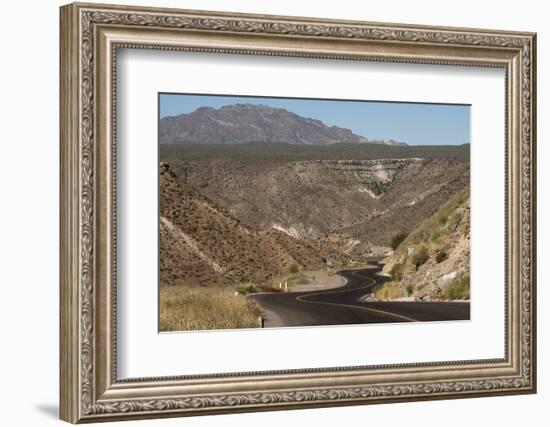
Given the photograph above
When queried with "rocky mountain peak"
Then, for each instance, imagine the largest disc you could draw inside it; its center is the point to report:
(243, 123)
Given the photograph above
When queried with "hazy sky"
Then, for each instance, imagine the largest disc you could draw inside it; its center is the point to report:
(415, 124)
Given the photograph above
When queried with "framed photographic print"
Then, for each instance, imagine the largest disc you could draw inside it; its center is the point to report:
(266, 212)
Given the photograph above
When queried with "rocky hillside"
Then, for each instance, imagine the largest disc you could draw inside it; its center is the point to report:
(202, 244)
(354, 205)
(242, 123)
(433, 261)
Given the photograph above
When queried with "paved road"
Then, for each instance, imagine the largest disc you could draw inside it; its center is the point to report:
(342, 306)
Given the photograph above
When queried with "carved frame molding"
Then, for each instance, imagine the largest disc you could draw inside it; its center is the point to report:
(90, 36)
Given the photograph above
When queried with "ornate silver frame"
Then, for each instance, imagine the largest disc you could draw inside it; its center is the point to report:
(90, 36)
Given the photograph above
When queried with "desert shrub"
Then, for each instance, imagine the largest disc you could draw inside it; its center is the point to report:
(397, 239)
(246, 289)
(302, 279)
(409, 289)
(294, 268)
(292, 279)
(388, 291)
(396, 272)
(459, 289)
(420, 256)
(436, 234)
(441, 256)
(297, 279)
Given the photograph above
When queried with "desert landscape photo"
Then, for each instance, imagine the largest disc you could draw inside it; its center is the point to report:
(277, 212)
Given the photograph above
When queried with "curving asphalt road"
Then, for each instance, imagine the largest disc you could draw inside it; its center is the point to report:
(341, 306)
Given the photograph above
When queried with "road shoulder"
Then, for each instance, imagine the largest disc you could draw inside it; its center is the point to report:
(320, 280)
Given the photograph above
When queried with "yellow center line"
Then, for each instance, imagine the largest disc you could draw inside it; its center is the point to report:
(374, 310)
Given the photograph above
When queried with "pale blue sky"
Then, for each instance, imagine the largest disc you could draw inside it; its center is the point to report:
(413, 123)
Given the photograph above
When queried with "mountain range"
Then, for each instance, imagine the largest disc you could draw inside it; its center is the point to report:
(243, 123)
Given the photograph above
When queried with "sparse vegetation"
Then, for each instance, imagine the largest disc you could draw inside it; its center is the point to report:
(292, 279)
(439, 238)
(437, 234)
(246, 289)
(420, 256)
(357, 264)
(459, 289)
(388, 291)
(397, 239)
(455, 219)
(396, 272)
(441, 256)
(436, 228)
(185, 308)
(258, 151)
(294, 268)
(300, 279)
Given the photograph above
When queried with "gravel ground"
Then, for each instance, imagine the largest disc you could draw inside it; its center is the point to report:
(320, 279)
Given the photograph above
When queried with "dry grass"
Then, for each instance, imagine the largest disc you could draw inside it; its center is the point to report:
(459, 289)
(185, 308)
(388, 291)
